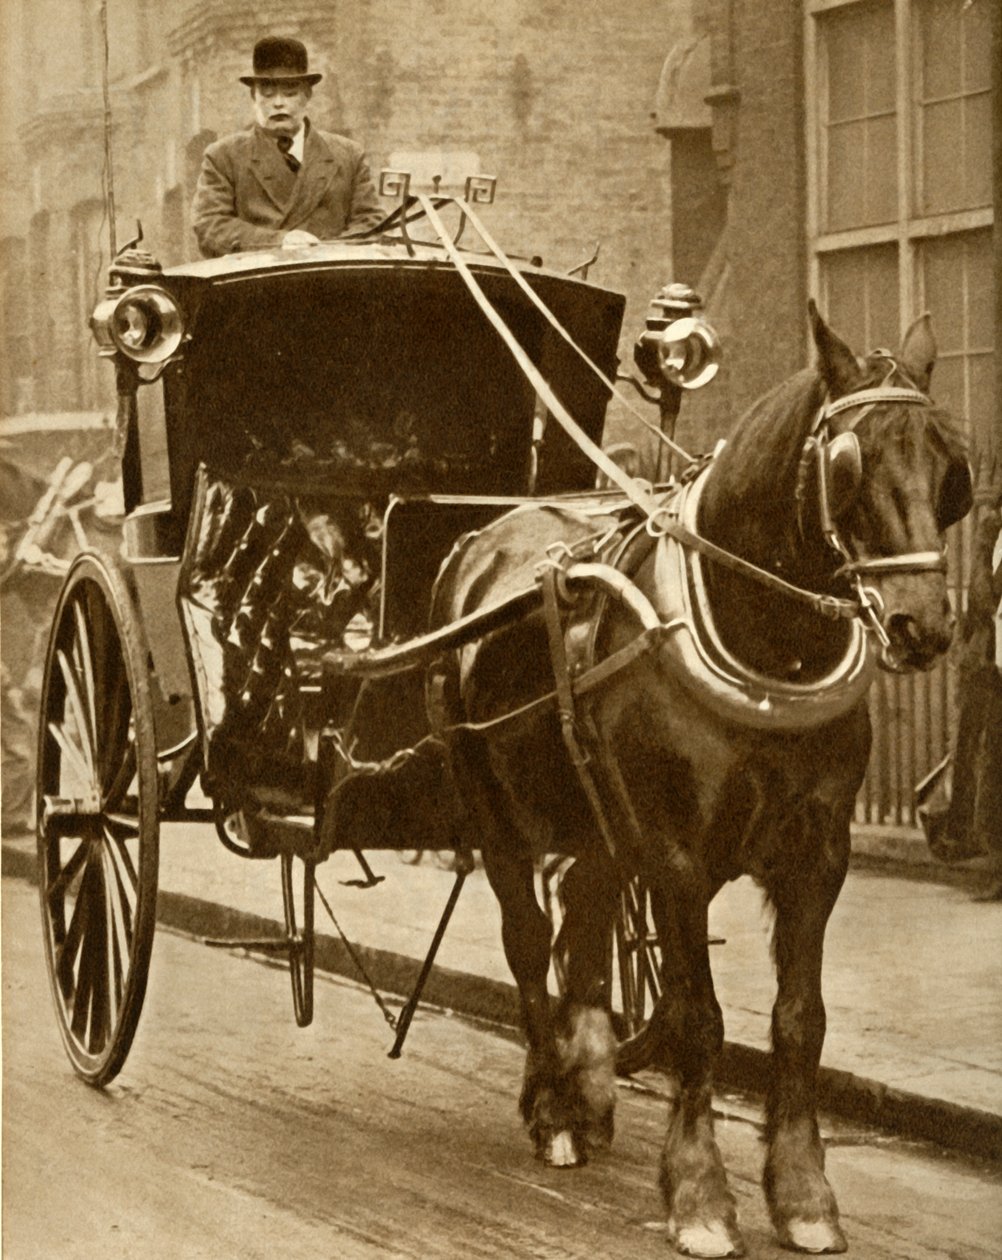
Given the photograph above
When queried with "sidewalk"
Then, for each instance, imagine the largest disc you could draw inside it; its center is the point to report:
(911, 976)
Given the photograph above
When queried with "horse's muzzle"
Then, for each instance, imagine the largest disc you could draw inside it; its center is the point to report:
(916, 645)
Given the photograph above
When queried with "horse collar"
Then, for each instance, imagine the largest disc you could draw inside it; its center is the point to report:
(696, 654)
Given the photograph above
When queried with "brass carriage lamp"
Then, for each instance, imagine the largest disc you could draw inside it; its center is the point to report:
(142, 322)
(137, 317)
(677, 344)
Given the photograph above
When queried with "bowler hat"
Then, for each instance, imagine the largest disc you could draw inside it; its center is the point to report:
(277, 57)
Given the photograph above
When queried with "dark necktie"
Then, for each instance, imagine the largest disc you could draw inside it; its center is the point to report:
(285, 144)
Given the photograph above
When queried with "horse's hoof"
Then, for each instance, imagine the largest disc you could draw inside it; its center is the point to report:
(715, 1239)
(561, 1151)
(814, 1237)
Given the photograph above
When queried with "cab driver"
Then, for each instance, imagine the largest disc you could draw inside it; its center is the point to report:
(282, 181)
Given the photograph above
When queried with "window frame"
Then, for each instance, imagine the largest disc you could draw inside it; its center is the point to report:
(909, 229)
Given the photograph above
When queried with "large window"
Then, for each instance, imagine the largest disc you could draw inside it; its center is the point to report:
(900, 198)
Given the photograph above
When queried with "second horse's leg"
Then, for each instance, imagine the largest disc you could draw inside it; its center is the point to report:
(586, 1043)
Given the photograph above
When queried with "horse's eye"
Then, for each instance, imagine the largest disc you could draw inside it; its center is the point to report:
(956, 495)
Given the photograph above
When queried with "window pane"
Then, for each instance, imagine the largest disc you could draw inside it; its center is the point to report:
(979, 406)
(881, 170)
(845, 188)
(943, 289)
(878, 56)
(846, 75)
(940, 34)
(859, 142)
(942, 130)
(948, 384)
(977, 47)
(860, 295)
(978, 150)
(957, 278)
(981, 289)
(954, 106)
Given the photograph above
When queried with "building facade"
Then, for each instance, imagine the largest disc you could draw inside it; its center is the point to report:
(553, 99)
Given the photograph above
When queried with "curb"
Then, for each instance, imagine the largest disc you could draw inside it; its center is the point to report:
(858, 1098)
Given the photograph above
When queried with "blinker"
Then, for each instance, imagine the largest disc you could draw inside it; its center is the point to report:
(956, 495)
(834, 468)
(843, 474)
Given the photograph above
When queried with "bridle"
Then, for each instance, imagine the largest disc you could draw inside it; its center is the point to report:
(853, 567)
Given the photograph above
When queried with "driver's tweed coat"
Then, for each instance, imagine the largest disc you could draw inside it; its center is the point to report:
(248, 198)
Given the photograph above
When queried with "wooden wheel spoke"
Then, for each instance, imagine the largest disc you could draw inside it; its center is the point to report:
(84, 660)
(121, 864)
(115, 789)
(69, 947)
(72, 753)
(56, 888)
(76, 952)
(82, 717)
(121, 851)
(95, 953)
(118, 916)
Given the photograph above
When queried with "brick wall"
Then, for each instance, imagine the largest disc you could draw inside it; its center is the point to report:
(552, 97)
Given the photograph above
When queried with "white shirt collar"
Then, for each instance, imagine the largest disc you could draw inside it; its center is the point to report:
(298, 143)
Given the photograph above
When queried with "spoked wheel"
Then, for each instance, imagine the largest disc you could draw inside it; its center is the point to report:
(634, 962)
(97, 827)
(299, 903)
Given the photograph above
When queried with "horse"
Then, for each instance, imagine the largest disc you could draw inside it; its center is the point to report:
(697, 737)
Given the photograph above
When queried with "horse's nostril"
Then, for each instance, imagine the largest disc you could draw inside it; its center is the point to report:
(905, 628)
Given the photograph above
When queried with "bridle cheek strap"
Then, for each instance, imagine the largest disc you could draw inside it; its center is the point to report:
(853, 568)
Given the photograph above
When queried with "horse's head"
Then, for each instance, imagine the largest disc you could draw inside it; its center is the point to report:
(892, 476)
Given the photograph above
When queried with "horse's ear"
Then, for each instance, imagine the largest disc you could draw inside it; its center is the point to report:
(836, 361)
(918, 351)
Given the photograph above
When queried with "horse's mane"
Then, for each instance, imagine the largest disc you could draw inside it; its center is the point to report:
(755, 475)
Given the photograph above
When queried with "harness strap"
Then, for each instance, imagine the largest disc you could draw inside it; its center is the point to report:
(579, 755)
(869, 398)
(662, 523)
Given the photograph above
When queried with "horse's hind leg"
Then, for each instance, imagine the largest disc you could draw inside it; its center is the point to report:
(586, 1044)
(526, 934)
(801, 1202)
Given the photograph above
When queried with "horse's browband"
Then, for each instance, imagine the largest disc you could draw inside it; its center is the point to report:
(868, 398)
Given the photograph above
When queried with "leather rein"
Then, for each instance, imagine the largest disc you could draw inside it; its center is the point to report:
(660, 520)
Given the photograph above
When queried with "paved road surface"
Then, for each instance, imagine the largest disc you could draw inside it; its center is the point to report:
(231, 1135)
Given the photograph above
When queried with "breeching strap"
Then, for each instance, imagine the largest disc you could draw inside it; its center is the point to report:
(565, 706)
(659, 521)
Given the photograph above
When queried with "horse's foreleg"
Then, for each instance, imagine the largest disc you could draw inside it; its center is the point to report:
(801, 1202)
(586, 1043)
(702, 1219)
